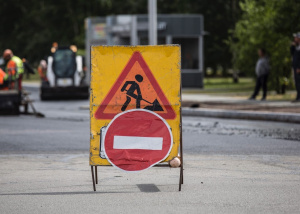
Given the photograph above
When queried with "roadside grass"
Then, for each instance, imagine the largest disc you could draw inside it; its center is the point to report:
(32, 77)
(288, 96)
(243, 89)
(224, 86)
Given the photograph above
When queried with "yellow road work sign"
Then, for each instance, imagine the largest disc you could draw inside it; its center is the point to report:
(138, 77)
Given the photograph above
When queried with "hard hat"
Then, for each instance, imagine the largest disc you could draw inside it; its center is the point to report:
(7, 54)
(54, 47)
(43, 64)
(73, 48)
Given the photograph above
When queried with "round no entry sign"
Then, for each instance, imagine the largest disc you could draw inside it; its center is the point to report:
(137, 139)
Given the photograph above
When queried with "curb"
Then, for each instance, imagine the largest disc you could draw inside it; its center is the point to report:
(31, 85)
(246, 115)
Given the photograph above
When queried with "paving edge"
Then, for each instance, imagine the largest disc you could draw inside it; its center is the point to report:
(31, 85)
(246, 115)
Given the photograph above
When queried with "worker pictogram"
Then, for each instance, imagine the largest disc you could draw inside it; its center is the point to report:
(136, 88)
(155, 106)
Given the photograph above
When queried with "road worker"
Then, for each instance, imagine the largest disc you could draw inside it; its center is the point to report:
(14, 67)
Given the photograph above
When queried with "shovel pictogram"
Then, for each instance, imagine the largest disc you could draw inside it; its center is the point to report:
(130, 93)
(155, 106)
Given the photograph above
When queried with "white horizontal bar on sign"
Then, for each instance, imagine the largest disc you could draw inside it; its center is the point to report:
(133, 142)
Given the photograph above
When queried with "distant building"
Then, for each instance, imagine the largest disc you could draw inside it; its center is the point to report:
(186, 30)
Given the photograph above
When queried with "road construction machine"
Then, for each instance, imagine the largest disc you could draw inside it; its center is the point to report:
(10, 95)
(65, 75)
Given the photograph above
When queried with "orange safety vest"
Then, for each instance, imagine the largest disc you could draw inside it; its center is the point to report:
(11, 69)
(2, 75)
(42, 73)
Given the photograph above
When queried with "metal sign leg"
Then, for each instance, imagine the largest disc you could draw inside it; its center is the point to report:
(181, 150)
(180, 180)
(96, 172)
(181, 170)
(181, 166)
(94, 185)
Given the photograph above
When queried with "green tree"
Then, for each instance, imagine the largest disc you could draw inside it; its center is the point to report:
(265, 24)
(30, 27)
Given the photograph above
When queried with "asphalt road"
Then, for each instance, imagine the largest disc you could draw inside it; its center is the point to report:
(231, 166)
(68, 133)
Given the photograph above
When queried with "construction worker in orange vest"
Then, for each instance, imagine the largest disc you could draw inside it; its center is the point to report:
(42, 69)
(3, 77)
(14, 66)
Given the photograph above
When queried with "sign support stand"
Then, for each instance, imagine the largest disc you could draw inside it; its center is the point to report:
(95, 176)
(92, 170)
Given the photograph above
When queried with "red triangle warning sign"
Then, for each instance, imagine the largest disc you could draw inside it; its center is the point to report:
(136, 87)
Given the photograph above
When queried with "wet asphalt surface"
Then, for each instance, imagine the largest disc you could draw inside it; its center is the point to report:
(240, 128)
(65, 129)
